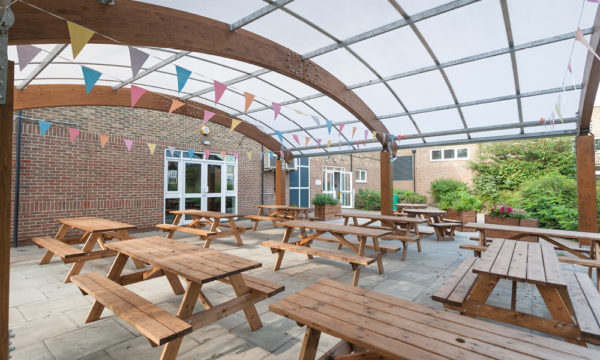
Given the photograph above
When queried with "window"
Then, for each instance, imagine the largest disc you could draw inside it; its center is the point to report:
(361, 175)
(597, 145)
(450, 154)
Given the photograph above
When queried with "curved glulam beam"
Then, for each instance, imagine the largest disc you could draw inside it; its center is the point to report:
(140, 24)
(591, 78)
(42, 96)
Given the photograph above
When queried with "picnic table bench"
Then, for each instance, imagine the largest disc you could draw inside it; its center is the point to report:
(174, 259)
(275, 213)
(469, 287)
(373, 325)
(95, 232)
(202, 219)
(338, 232)
(443, 228)
(400, 227)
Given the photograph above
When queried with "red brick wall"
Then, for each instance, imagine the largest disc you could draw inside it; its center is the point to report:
(60, 179)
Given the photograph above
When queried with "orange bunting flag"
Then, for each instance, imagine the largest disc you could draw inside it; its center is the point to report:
(353, 132)
(234, 124)
(222, 154)
(542, 120)
(306, 140)
(79, 37)
(103, 140)
(249, 99)
(175, 104)
(152, 147)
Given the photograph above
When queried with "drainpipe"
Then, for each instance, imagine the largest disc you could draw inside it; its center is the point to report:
(17, 181)
(414, 151)
(262, 177)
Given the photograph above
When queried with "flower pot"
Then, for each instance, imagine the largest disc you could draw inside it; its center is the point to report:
(464, 216)
(511, 222)
(328, 212)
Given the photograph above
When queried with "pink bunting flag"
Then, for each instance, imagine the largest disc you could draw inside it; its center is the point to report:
(207, 154)
(319, 142)
(366, 134)
(136, 94)
(569, 67)
(219, 91)
(276, 109)
(73, 133)
(128, 144)
(281, 153)
(296, 138)
(207, 116)
(341, 128)
(235, 154)
(579, 37)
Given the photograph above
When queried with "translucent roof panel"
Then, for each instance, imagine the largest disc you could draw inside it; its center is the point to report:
(438, 121)
(287, 84)
(497, 113)
(421, 91)
(380, 99)
(435, 139)
(537, 107)
(344, 66)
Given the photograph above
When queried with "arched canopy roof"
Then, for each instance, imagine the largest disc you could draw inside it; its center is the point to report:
(431, 72)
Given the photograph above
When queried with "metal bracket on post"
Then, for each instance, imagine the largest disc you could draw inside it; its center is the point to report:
(7, 21)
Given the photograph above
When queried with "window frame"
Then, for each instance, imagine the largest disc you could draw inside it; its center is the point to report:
(357, 178)
(455, 158)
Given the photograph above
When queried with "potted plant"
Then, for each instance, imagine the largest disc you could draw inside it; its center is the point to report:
(505, 215)
(326, 207)
(461, 206)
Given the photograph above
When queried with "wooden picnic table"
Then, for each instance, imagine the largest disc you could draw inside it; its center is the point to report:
(468, 289)
(95, 231)
(338, 232)
(401, 227)
(173, 259)
(400, 207)
(444, 229)
(276, 213)
(373, 325)
(585, 257)
(202, 219)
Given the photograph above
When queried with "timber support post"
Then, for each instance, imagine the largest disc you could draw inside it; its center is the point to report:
(387, 185)
(586, 183)
(279, 183)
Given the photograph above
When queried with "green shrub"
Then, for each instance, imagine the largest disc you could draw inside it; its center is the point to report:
(409, 197)
(447, 190)
(466, 202)
(324, 199)
(367, 200)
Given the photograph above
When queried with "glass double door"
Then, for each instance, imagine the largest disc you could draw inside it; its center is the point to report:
(339, 185)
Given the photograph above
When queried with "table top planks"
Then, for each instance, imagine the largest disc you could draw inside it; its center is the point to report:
(412, 206)
(400, 329)
(389, 218)
(202, 213)
(187, 260)
(537, 231)
(335, 228)
(95, 224)
(282, 207)
(426, 211)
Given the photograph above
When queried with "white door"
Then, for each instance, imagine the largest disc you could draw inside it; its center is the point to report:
(328, 187)
(346, 189)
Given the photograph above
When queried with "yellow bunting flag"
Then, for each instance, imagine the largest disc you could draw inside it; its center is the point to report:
(249, 155)
(234, 124)
(299, 112)
(307, 139)
(103, 140)
(79, 37)
(353, 131)
(176, 104)
(374, 134)
(249, 99)
(328, 143)
(559, 114)
(152, 147)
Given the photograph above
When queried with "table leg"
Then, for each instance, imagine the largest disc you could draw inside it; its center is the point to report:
(556, 306)
(240, 288)
(310, 344)
(62, 231)
(482, 289)
(124, 235)
(114, 273)
(87, 247)
(174, 282)
(260, 210)
(236, 232)
(378, 253)
(596, 246)
(280, 253)
(513, 296)
(186, 308)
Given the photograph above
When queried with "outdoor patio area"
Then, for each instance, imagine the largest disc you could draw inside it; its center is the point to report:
(48, 316)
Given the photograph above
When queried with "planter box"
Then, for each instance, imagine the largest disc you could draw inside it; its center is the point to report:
(511, 222)
(464, 216)
(328, 212)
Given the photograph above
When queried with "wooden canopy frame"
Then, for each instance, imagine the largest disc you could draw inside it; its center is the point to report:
(42, 96)
(163, 27)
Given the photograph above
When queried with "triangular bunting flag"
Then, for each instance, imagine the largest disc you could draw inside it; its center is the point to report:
(276, 109)
(340, 128)
(90, 77)
(366, 134)
(182, 77)
(191, 153)
(207, 154)
(349, 144)
(542, 120)
(138, 58)
(579, 37)
(569, 67)
(365, 142)
(152, 147)
(281, 153)
(296, 138)
(353, 131)
(279, 135)
(79, 37)
(249, 98)
(249, 155)
(358, 144)
(219, 91)
(223, 154)
(128, 144)
(374, 135)
(329, 126)
(316, 119)
(26, 53)
(559, 114)
(73, 133)
(299, 112)
(271, 154)
(328, 143)
(44, 126)
(207, 116)
(234, 124)
(175, 104)
(318, 142)
(235, 154)
(171, 150)
(103, 140)
(306, 140)
(136, 94)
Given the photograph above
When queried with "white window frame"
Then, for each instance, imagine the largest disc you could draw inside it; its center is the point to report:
(455, 158)
(361, 171)
(597, 145)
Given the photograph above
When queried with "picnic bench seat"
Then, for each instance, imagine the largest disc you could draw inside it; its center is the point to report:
(487, 239)
(456, 289)
(477, 249)
(263, 287)
(155, 323)
(382, 247)
(585, 301)
(440, 229)
(200, 232)
(65, 251)
(355, 260)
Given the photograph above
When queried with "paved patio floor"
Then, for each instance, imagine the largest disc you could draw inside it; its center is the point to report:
(48, 316)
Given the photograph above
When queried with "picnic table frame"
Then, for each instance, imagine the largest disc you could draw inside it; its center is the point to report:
(198, 266)
(279, 212)
(95, 231)
(201, 219)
